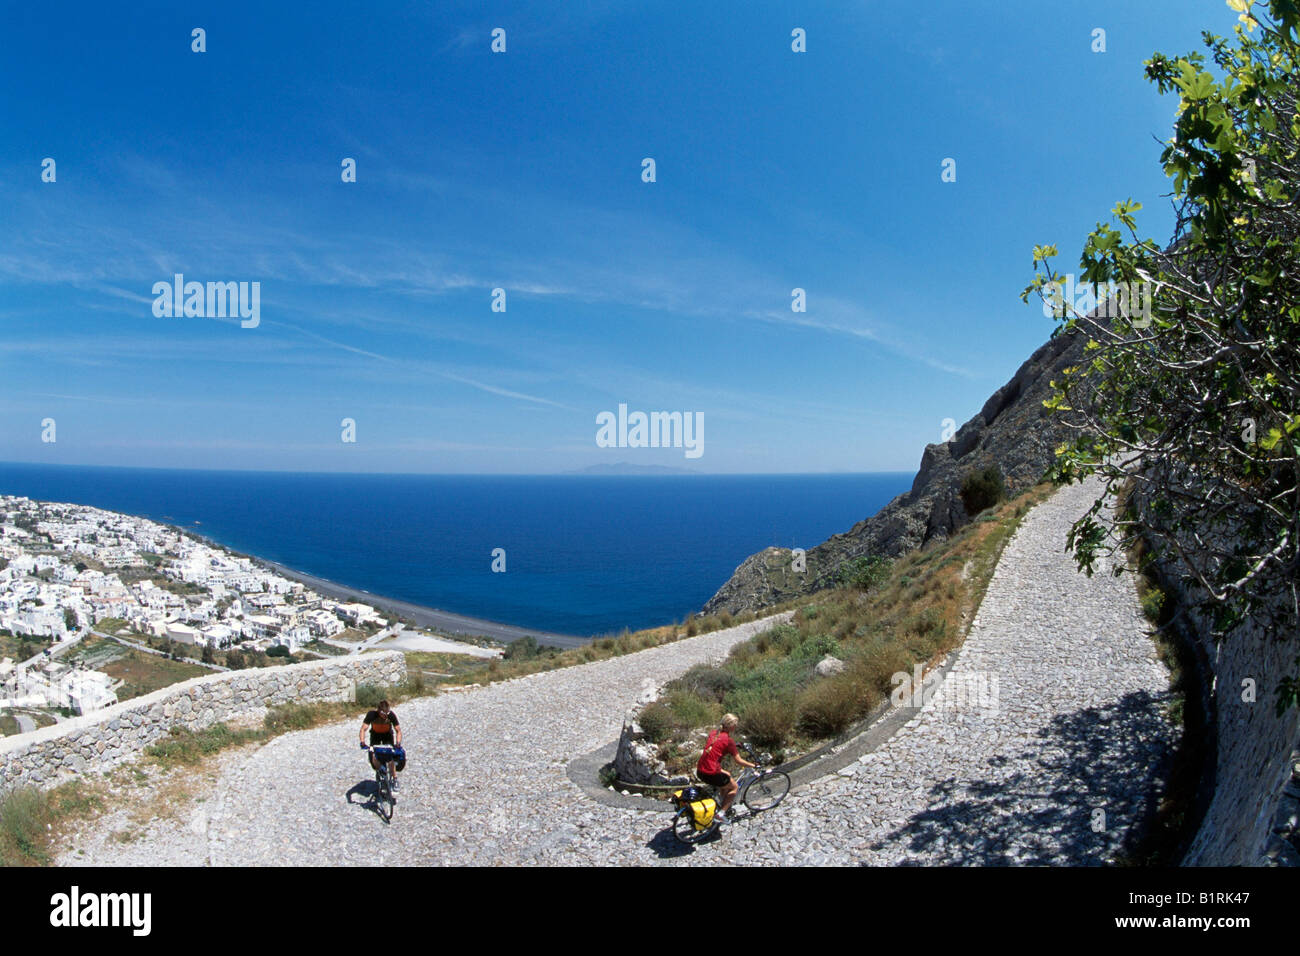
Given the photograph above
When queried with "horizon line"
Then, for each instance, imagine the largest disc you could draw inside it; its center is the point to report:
(667, 473)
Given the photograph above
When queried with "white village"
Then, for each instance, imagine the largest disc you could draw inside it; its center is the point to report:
(67, 569)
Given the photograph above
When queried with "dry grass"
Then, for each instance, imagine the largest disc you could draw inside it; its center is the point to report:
(32, 821)
(437, 664)
(599, 649)
(916, 615)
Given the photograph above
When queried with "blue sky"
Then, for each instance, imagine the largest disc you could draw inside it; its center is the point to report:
(775, 170)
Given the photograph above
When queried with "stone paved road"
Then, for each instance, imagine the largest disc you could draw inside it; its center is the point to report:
(1054, 773)
(486, 783)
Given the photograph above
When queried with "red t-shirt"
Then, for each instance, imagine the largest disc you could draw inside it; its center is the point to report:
(720, 743)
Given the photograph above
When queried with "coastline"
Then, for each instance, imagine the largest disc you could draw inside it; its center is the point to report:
(447, 622)
(431, 617)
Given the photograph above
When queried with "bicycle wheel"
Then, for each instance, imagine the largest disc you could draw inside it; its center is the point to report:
(385, 798)
(767, 791)
(684, 828)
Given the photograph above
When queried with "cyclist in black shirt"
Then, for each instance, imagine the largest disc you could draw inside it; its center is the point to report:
(384, 730)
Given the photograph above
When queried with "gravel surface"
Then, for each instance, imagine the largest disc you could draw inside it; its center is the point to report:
(1052, 767)
(159, 816)
(1056, 773)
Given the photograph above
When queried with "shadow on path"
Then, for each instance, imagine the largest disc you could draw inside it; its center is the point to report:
(1110, 759)
(370, 790)
(666, 846)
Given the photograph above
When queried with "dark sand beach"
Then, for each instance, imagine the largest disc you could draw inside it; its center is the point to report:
(442, 621)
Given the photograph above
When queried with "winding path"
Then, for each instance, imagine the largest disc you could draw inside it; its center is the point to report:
(1054, 769)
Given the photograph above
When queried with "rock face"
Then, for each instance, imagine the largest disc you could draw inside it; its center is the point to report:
(1253, 813)
(637, 760)
(1012, 431)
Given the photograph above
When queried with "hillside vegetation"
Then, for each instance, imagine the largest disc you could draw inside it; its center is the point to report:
(885, 618)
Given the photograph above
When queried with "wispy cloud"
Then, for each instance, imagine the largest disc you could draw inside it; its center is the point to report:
(433, 368)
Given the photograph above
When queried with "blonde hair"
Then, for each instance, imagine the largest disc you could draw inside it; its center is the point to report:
(730, 721)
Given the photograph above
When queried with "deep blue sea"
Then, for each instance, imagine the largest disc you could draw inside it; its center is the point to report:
(585, 555)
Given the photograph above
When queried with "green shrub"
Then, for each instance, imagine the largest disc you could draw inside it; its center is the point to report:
(982, 489)
(779, 638)
(927, 622)
(705, 681)
(279, 650)
(816, 646)
(191, 746)
(876, 664)
(414, 683)
(522, 649)
(690, 710)
(776, 677)
(369, 695)
(1153, 602)
(743, 656)
(657, 721)
(865, 573)
(289, 717)
(830, 705)
(768, 722)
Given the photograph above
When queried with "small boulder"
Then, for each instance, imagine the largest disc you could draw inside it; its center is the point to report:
(829, 665)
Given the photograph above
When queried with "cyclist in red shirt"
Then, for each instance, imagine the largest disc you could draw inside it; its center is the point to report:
(710, 767)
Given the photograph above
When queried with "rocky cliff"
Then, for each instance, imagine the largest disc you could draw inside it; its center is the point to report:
(1012, 431)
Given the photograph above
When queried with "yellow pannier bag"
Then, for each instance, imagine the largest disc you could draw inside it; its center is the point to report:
(702, 811)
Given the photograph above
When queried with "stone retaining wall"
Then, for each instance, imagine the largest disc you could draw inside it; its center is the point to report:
(101, 740)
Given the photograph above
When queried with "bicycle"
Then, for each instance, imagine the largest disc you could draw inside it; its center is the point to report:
(758, 789)
(385, 777)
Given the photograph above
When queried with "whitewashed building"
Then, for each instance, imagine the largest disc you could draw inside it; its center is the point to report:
(184, 634)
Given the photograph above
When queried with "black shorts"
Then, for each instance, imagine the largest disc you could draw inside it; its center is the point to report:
(714, 779)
